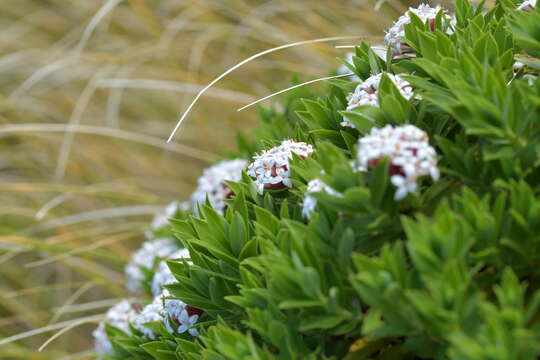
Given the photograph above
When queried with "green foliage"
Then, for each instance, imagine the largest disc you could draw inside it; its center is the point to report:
(450, 272)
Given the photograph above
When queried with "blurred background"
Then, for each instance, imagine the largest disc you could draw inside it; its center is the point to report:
(89, 93)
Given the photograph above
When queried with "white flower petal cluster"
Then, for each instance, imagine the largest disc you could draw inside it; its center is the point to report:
(146, 258)
(270, 168)
(408, 151)
(212, 184)
(366, 93)
(117, 316)
(152, 312)
(527, 5)
(310, 203)
(163, 275)
(102, 344)
(179, 315)
(345, 70)
(518, 65)
(394, 36)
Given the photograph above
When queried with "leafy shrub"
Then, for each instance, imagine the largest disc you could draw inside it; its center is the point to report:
(418, 234)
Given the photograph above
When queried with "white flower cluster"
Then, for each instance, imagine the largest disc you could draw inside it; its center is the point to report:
(152, 312)
(163, 275)
(345, 70)
(366, 92)
(212, 184)
(310, 203)
(394, 36)
(117, 316)
(145, 258)
(179, 315)
(408, 151)
(527, 5)
(270, 168)
(176, 315)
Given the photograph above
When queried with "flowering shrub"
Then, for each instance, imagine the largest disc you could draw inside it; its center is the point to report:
(398, 217)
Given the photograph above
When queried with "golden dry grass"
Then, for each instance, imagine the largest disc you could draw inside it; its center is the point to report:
(89, 92)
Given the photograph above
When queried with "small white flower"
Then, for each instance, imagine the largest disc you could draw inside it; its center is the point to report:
(187, 321)
(345, 70)
(117, 316)
(310, 203)
(270, 168)
(395, 35)
(408, 151)
(146, 258)
(366, 93)
(163, 275)
(212, 184)
(527, 5)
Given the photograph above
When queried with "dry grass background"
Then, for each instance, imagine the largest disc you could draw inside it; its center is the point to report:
(89, 91)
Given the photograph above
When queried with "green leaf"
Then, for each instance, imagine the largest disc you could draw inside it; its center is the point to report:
(159, 350)
(319, 322)
(345, 248)
(378, 182)
(238, 233)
